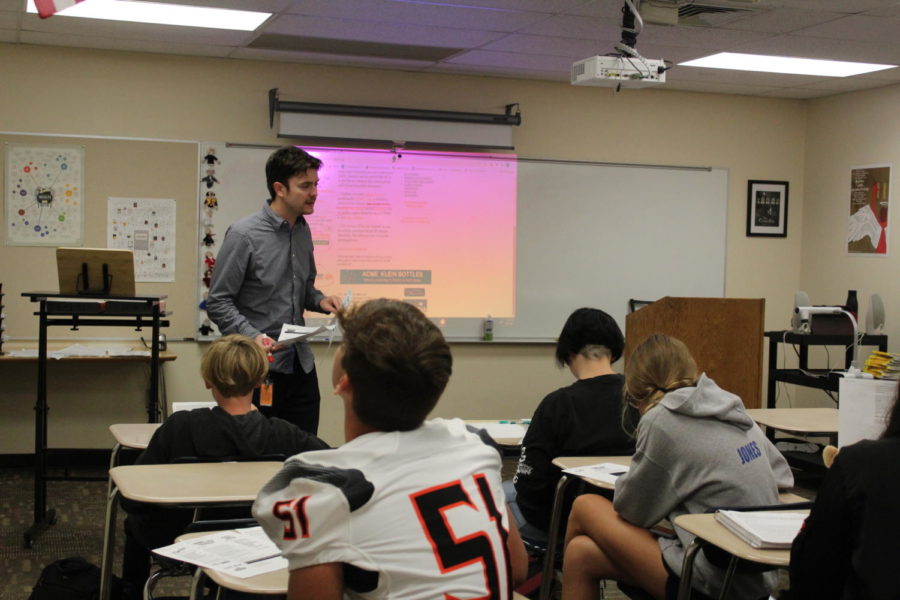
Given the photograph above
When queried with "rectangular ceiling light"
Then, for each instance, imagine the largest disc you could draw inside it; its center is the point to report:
(164, 14)
(784, 64)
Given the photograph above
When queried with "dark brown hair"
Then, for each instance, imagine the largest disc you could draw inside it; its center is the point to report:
(397, 361)
(286, 162)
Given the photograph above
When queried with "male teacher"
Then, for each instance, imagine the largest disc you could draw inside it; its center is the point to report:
(265, 276)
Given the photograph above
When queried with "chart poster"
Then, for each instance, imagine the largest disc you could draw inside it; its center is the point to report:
(146, 226)
(44, 195)
(869, 210)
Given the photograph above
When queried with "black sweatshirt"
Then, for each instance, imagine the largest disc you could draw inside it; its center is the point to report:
(849, 547)
(583, 419)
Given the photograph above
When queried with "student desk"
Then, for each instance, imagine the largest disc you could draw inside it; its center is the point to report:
(190, 485)
(488, 425)
(130, 435)
(274, 582)
(801, 421)
(708, 530)
(569, 462)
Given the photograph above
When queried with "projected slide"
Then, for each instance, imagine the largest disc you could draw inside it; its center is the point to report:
(435, 230)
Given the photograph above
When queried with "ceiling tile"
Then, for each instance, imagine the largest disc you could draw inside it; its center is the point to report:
(134, 45)
(328, 59)
(577, 27)
(553, 46)
(842, 6)
(855, 27)
(536, 62)
(603, 9)
(699, 37)
(494, 71)
(113, 30)
(782, 20)
(428, 14)
(395, 33)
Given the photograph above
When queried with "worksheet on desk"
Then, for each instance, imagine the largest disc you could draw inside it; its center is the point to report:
(605, 472)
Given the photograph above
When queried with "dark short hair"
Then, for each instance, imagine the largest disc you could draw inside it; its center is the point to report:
(589, 327)
(398, 363)
(287, 162)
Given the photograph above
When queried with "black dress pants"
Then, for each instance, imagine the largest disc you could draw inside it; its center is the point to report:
(295, 398)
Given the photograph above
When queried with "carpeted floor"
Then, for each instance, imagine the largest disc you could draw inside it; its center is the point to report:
(80, 509)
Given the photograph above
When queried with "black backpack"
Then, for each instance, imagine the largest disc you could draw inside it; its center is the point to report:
(71, 579)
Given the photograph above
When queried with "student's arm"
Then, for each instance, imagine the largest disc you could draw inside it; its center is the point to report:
(227, 280)
(518, 556)
(536, 476)
(319, 582)
(780, 468)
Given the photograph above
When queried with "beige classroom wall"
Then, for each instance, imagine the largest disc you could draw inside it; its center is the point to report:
(104, 93)
(847, 131)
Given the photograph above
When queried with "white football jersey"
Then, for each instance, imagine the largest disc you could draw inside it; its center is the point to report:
(414, 515)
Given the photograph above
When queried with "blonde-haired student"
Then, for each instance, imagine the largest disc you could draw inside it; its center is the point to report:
(697, 449)
(231, 368)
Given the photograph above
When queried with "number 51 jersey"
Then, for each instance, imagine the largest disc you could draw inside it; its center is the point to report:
(412, 515)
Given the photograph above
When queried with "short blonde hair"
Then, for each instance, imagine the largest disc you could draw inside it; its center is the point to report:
(234, 365)
(660, 364)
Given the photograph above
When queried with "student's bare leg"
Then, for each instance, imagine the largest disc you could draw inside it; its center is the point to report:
(584, 566)
(623, 552)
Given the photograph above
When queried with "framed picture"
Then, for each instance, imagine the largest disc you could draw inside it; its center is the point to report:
(767, 208)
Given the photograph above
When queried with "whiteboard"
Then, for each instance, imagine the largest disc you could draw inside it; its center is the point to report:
(598, 235)
(588, 234)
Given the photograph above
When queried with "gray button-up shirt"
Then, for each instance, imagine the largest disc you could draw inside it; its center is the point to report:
(264, 276)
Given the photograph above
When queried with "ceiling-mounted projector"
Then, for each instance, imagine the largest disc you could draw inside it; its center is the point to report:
(613, 71)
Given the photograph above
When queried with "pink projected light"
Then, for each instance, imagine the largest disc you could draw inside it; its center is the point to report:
(433, 229)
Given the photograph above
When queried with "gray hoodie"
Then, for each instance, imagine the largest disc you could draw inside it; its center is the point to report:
(697, 450)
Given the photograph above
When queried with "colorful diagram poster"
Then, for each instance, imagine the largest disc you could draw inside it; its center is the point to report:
(146, 226)
(869, 202)
(44, 195)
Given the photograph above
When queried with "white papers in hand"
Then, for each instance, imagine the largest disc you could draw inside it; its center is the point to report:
(293, 334)
(605, 472)
(763, 528)
(241, 553)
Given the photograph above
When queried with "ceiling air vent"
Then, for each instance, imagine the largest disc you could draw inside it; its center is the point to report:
(714, 13)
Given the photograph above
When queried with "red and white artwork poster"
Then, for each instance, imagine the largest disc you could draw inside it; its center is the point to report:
(867, 230)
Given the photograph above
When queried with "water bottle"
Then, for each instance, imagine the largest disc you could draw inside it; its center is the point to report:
(488, 331)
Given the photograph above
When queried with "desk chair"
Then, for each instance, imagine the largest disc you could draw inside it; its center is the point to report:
(180, 486)
(203, 519)
(733, 559)
(175, 568)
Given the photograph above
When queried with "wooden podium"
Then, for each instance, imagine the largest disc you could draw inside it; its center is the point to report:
(725, 335)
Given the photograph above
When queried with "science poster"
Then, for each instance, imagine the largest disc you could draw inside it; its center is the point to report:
(870, 200)
(146, 226)
(44, 195)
